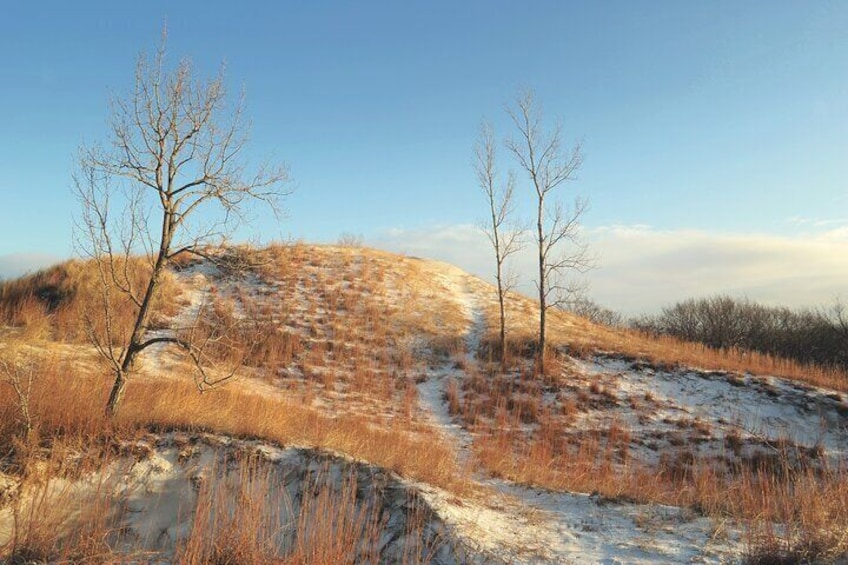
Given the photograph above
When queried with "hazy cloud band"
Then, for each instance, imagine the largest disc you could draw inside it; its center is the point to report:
(640, 269)
(17, 264)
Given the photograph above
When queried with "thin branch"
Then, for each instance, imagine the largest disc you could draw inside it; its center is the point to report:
(175, 146)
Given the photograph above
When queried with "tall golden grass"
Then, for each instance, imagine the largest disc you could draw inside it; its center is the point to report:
(243, 514)
(579, 337)
(346, 319)
(69, 406)
(59, 521)
(790, 514)
(51, 303)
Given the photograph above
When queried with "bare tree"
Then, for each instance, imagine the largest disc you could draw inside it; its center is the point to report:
(838, 315)
(505, 238)
(549, 166)
(175, 162)
(587, 308)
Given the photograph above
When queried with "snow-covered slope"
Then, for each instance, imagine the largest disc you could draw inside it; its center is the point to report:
(403, 344)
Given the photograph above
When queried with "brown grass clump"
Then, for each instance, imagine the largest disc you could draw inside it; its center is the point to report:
(235, 524)
(803, 520)
(580, 337)
(341, 334)
(59, 523)
(51, 303)
(77, 416)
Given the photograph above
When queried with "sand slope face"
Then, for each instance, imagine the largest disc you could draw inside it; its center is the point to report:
(184, 496)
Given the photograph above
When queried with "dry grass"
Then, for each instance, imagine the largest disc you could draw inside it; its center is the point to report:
(50, 303)
(243, 513)
(231, 412)
(77, 417)
(791, 514)
(794, 507)
(235, 523)
(342, 333)
(345, 328)
(580, 338)
(804, 520)
(58, 522)
(388, 293)
(350, 332)
(792, 502)
(71, 428)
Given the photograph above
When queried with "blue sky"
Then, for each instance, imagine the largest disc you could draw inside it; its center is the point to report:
(721, 119)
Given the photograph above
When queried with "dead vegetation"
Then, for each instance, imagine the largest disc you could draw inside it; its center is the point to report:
(792, 500)
(579, 337)
(335, 340)
(77, 420)
(240, 507)
(51, 304)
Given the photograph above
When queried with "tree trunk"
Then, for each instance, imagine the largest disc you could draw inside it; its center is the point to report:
(503, 330)
(117, 394)
(543, 307)
(140, 327)
(501, 307)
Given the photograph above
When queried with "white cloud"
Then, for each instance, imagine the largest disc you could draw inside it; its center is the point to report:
(817, 223)
(641, 269)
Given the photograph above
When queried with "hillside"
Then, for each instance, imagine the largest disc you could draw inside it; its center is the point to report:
(367, 422)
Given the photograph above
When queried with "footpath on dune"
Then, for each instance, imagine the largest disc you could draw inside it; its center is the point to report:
(521, 524)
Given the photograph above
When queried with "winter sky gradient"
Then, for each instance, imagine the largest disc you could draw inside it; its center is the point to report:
(715, 133)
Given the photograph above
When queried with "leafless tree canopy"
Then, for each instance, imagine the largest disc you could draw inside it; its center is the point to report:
(806, 335)
(503, 234)
(587, 308)
(548, 166)
(172, 179)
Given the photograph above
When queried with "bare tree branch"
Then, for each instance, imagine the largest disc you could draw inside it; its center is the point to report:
(503, 235)
(548, 166)
(175, 157)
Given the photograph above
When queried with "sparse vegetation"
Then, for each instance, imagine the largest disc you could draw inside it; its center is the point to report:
(582, 337)
(725, 323)
(175, 147)
(548, 166)
(504, 236)
(337, 366)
